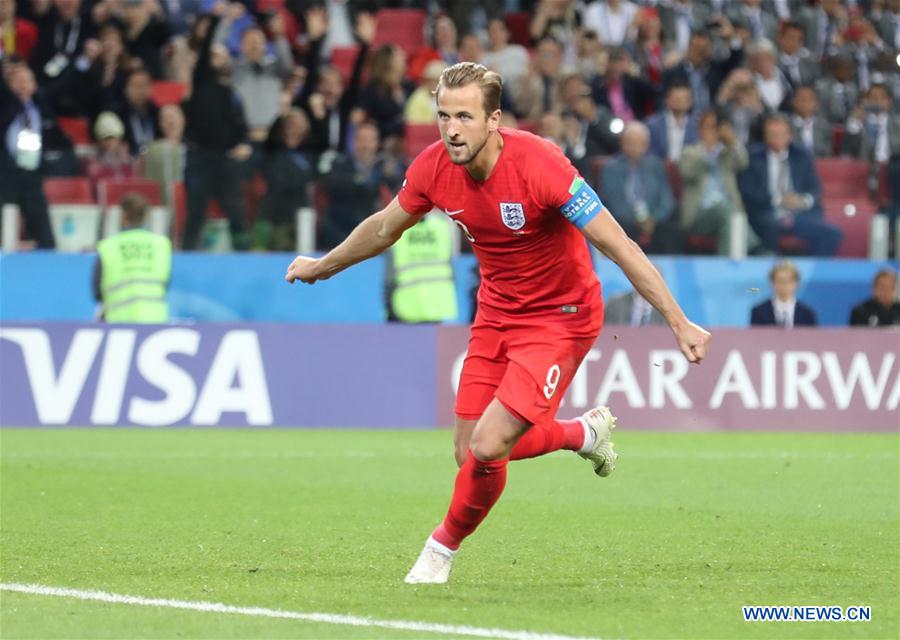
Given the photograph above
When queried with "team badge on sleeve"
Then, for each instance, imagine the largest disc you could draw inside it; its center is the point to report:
(513, 215)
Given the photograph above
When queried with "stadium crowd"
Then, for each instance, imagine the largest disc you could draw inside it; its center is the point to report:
(684, 112)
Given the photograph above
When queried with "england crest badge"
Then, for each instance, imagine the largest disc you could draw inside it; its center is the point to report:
(513, 215)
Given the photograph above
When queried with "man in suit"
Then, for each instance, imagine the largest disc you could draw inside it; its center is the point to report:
(631, 309)
(635, 187)
(783, 309)
(808, 127)
(838, 92)
(782, 193)
(26, 129)
(797, 64)
(882, 309)
(700, 71)
(750, 15)
(674, 127)
(873, 131)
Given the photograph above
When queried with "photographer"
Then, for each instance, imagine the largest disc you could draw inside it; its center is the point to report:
(709, 169)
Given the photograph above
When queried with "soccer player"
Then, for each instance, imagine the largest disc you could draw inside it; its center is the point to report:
(527, 212)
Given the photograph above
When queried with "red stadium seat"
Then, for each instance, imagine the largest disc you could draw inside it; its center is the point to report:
(705, 245)
(843, 177)
(266, 6)
(342, 59)
(854, 217)
(519, 25)
(838, 139)
(418, 136)
(68, 191)
(884, 187)
(791, 246)
(78, 130)
(165, 92)
(112, 191)
(402, 27)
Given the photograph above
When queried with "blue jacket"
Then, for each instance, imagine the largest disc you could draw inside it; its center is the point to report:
(764, 314)
(753, 183)
(654, 184)
(659, 135)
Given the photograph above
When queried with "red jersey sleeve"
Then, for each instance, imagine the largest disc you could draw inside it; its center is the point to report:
(552, 174)
(413, 195)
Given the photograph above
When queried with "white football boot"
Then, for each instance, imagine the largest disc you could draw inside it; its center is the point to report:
(601, 453)
(433, 565)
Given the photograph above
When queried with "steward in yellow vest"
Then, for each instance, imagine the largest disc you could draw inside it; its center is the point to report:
(420, 273)
(133, 270)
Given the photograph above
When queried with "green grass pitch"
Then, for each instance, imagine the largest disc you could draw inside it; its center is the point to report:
(689, 528)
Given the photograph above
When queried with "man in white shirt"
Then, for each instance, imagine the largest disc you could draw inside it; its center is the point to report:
(783, 309)
(611, 20)
(773, 87)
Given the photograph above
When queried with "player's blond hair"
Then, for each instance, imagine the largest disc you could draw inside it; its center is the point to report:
(465, 73)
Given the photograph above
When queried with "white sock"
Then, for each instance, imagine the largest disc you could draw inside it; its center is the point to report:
(589, 437)
(434, 544)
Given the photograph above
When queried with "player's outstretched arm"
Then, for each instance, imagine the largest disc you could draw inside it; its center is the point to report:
(371, 237)
(607, 235)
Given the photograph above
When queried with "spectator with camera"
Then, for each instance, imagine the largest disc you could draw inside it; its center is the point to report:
(709, 169)
(700, 71)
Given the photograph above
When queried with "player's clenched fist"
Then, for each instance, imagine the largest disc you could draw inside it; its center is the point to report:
(694, 341)
(303, 269)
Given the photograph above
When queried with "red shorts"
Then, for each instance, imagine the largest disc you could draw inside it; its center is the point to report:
(526, 367)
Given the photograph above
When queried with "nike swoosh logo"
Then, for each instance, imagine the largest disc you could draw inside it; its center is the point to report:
(453, 213)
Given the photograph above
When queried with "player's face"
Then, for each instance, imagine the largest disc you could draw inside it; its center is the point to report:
(464, 125)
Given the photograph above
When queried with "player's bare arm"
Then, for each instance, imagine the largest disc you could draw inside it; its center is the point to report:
(608, 236)
(371, 237)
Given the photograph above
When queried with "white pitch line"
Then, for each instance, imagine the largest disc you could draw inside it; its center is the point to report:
(262, 612)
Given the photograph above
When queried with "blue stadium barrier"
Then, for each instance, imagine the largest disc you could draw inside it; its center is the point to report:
(45, 286)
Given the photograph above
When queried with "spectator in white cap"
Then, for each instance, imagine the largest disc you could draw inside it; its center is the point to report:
(112, 159)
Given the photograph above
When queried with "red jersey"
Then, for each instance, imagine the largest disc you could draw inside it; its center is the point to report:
(532, 259)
